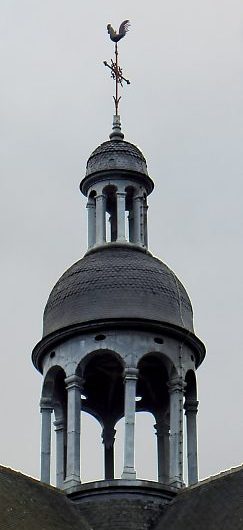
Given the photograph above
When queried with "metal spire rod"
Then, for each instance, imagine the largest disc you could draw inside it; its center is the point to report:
(116, 70)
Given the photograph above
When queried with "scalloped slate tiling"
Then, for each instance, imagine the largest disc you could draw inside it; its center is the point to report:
(122, 283)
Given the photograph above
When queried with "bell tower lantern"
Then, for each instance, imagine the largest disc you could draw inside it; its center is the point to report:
(117, 185)
(118, 326)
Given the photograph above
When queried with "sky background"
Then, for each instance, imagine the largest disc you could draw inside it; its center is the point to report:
(184, 110)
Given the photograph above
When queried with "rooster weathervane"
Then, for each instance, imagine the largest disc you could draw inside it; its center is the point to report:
(116, 71)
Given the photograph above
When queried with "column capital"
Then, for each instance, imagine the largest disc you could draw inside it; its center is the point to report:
(191, 405)
(138, 195)
(74, 381)
(130, 373)
(99, 196)
(161, 429)
(177, 384)
(46, 404)
(90, 204)
(121, 193)
(108, 436)
(59, 424)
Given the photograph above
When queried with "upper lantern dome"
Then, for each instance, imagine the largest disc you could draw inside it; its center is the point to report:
(116, 156)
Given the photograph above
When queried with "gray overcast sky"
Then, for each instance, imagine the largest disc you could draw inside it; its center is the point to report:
(184, 109)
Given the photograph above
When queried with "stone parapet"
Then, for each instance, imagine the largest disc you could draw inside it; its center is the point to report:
(122, 504)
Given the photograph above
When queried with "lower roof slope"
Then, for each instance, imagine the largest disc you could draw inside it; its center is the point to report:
(26, 504)
(214, 504)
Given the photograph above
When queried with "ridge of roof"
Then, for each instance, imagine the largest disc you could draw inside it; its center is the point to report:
(216, 502)
(211, 478)
(14, 472)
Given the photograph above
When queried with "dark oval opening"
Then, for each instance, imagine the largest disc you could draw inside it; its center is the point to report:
(159, 340)
(100, 337)
(52, 354)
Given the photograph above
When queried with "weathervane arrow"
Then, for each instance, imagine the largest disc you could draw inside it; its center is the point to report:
(116, 71)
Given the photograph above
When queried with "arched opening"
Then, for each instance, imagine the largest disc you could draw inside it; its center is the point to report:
(129, 227)
(191, 407)
(53, 386)
(111, 213)
(119, 448)
(145, 447)
(152, 384)
(145, 220)
(191, 386)
(54, 451)
(91, 197)
(153, 394)
(92, 466)
(103, 389)
(91, 207)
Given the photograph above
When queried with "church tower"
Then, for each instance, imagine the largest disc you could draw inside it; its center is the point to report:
(118, 339)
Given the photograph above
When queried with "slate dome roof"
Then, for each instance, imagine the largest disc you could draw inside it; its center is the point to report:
(115, 154)
(117, 282)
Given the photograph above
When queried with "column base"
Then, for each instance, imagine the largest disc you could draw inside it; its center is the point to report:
(164, 480)
(175, 483)
(71, 483)
(129, 474)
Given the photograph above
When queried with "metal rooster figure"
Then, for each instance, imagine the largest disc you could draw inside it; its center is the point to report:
(116, 71)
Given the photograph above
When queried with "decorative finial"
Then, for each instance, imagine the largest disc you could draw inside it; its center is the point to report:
(116, 71)
(116, 133)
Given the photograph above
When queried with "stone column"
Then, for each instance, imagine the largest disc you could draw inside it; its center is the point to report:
(113, 223)
(131, 226)
(108, 436)
(145, 222)
(100, 219)
(162, 430)
(191, 408)
(91, 222)
(176, 391)
(131, 375)
(137, 207)
(73, 386)
(46, 409)
(121, 215)
(60, 472)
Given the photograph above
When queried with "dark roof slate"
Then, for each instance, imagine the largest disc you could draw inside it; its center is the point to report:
(214, 504)
(115, 283)
(26, 504)
(116, 155)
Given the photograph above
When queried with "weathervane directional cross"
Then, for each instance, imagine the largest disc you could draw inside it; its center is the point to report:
(116, 71)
